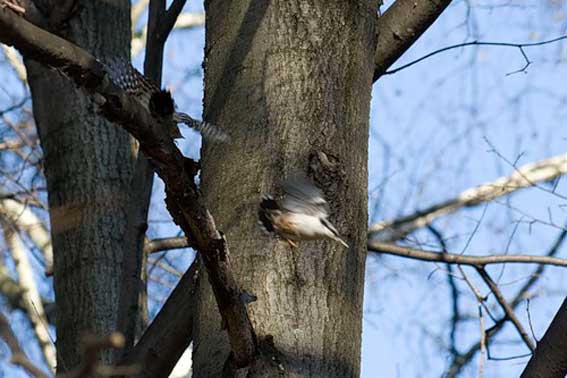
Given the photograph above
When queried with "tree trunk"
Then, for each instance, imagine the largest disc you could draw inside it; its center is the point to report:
(550, 357)
(88, 166)
(290, 80)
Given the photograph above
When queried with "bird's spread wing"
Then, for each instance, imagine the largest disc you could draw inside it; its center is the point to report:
(126, 77)
(302, 196)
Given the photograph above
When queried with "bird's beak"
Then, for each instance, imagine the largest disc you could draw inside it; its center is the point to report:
(342, 242)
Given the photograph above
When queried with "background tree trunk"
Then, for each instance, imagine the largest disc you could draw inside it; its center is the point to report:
(550, 357)
(291, 81)
(88, 165)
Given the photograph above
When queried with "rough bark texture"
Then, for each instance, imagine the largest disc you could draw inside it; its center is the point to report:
(292, 81)
(550, 357)
(88, 165)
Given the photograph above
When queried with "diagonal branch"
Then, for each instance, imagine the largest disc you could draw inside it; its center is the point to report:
(16, 63)
(30, 294)
(25, 219)
(400, 26)
(19, 357)
(506, 307)
(14, 293)
(460, 361)
(171, 15)
(171, 332)
(526, 176)
(183, 198)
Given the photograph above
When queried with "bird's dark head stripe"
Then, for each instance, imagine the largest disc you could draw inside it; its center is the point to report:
(267, 205)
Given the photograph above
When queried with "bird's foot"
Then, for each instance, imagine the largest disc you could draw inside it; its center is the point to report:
(292, 244)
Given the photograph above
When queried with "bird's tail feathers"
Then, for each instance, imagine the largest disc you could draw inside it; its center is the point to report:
(207, 130)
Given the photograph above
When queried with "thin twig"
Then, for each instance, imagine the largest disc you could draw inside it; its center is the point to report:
(482, 342)
(506, 307)
(530, 319)
(519, 46)
(461, 360)
(454, 291)
(16, 106)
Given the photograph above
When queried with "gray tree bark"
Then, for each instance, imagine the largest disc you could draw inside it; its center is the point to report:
(550, 357)
(291, 79)
(88, 166)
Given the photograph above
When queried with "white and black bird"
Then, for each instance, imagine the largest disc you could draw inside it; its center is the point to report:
(158, 101)
(301, 214)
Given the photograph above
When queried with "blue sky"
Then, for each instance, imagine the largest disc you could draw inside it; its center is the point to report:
(432, 129)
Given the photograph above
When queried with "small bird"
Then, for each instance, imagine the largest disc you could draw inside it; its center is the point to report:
(158, 101)
(300, 215)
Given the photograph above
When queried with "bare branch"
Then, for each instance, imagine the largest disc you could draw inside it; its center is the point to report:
(25, 219)
(519, 46)
(461, 360)
(452, 258)
(400, 26)
(506, 307)
(19, 357)
(14, 294)
(30, 295)
(129, 314)
(454, 291)
(16, 63)
(9, 109)
(183, 199)
(188, 20)
(171, 330)
(159, 245)
(482, 342)
(526, 176)
(171, 16)
(130, 305)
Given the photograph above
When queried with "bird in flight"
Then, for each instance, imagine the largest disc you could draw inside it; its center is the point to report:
(301, 214)
(159, 102)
